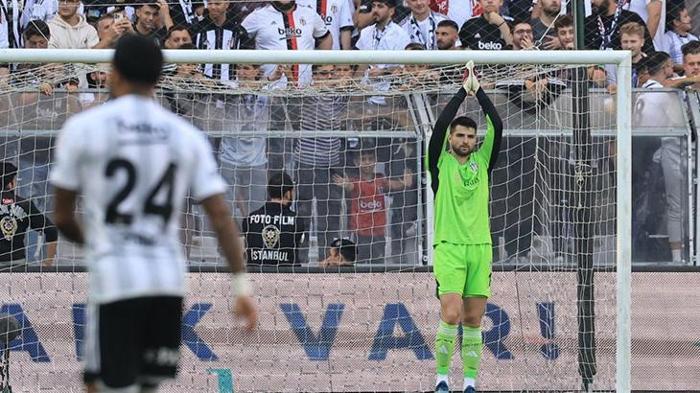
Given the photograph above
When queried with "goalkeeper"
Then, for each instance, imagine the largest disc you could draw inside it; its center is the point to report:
(459, 173)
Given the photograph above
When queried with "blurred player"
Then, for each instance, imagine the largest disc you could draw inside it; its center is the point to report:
(459, 173)
(133, 163)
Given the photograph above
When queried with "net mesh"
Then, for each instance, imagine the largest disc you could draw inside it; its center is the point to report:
(348, 331)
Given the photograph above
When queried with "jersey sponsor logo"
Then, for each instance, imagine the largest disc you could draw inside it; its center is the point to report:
(489, 45)
(371, 205)
(289, 32)
(163, 357)
(271, 236)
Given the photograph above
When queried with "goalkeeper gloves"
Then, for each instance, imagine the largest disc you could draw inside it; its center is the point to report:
(470, 84)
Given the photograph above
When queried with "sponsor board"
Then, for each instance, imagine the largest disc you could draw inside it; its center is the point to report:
(372, 331)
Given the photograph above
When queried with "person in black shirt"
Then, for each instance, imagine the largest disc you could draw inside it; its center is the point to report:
(218, 30)
(16, 216)
(602, 27)
(273, 233)
(490, 31)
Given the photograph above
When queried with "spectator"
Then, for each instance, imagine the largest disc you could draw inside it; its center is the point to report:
(273, 233)
(653, 13)
(691, 61)
(342, 252)
(185, 13)
(522, 36)
(243, 158)
(318, 158)
(15, 16)
(178, 35)
(657, 110)
(337, 15)
(490, 31)
(421, 24)
(603, 25)
(447, 35)
(678, 32)
(384, 34)
(691, 68)
(35, 36)
(459, 11)
(110, 27)
(283, 25)
(564, 30)
(368, 209)
(148, 21)
(543, 27)
(631, 39)
(17, 215)
(217, 31)
(70, 30)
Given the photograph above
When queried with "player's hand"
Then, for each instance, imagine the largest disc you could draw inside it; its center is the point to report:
(245, 308)
(471, 83)
(339, 180)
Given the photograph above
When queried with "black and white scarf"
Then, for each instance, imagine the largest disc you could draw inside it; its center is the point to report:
(417, 34)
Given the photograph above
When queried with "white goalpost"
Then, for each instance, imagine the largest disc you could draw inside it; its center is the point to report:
(543, 145)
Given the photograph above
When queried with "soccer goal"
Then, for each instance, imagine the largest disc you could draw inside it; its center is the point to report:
(354, 141)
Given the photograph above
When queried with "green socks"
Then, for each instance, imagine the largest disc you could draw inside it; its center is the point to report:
(444, 347)
(471, 351)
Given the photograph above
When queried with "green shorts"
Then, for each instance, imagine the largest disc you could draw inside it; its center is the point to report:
(463, 269)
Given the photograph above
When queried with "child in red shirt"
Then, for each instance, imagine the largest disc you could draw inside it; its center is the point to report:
(368, 208)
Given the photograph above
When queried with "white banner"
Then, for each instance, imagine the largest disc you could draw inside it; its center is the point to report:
(369, 332)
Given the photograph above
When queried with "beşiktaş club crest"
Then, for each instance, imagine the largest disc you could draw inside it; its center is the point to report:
(8, 225)
(474, 166)
(271, 236)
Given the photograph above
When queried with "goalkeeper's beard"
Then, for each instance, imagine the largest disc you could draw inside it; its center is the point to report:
(462, 151)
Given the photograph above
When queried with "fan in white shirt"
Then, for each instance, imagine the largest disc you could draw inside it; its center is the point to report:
(421, 25)
(133, 163)
(679, 34)
(284, 25)
(337, 14)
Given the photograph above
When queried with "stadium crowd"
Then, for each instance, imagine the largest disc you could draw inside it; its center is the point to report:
(662, 34)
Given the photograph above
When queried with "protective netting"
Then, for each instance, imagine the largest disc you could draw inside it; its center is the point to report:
(552, 208)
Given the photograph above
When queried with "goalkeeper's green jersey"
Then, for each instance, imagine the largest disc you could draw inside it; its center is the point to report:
(462, 190)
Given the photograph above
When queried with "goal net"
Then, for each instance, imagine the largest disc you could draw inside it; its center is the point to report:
(354, 144)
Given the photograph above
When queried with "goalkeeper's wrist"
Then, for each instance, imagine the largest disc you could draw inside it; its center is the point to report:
(240, 286)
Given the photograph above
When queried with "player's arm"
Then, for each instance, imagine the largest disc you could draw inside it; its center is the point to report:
(494, 129)
(437, 140)
(64, 215)
(208, 187)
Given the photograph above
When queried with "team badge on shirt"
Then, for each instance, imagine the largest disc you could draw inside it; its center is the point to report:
(8, 225)
(271, 236)
(474, 166)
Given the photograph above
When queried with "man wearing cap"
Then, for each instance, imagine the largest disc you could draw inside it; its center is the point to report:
(17, 215)
(274, 233)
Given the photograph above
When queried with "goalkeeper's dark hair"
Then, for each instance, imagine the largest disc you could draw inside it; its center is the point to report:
(278, 185)
(463, 121)
(138, 60)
